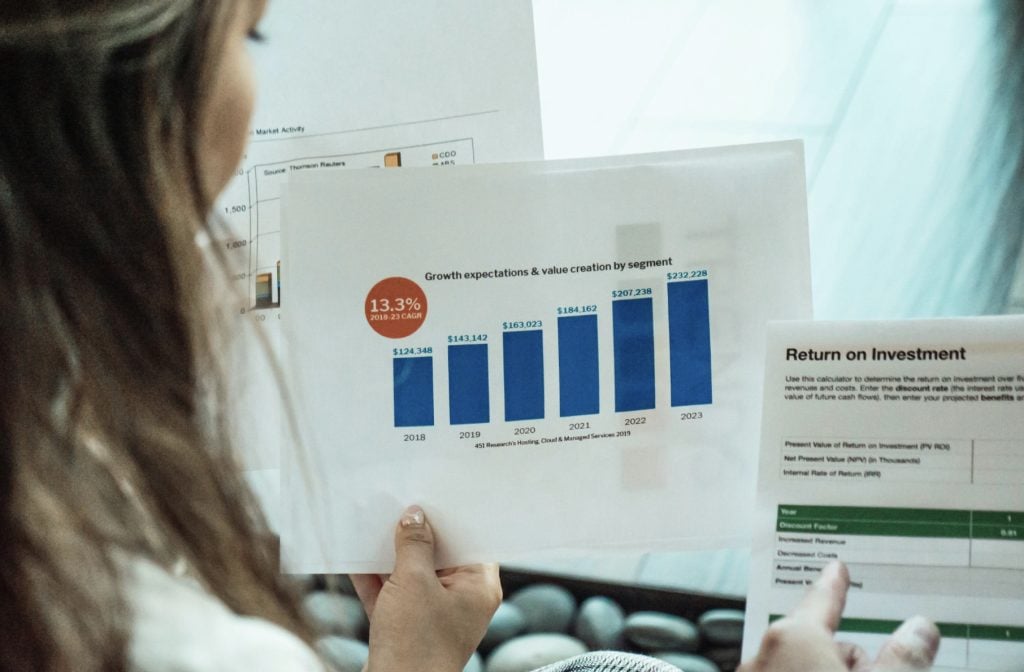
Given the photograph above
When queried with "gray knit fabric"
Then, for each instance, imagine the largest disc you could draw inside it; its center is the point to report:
(609, 661)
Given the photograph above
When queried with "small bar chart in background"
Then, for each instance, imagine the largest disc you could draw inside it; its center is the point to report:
(268, 288)
(633, 336)
(689, 333)
(523, 360)
(579, 390)
(468, 390)
(414, 391)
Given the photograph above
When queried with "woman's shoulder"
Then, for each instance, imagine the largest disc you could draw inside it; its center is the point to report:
(178, 626)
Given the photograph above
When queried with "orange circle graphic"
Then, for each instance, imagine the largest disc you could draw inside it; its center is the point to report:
(396, 307)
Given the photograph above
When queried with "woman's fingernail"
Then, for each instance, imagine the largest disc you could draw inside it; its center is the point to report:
(919, 636)
(413, 517)
(834, 571)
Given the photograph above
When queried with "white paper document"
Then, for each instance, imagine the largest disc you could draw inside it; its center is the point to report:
(358, 85)
(898, 448)
(549, 355)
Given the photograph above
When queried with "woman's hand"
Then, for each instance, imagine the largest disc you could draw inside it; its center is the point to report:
(804, 639)
(421, 619)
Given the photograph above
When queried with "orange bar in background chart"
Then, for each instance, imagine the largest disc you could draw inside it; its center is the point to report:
(264, 290)
(393, 160)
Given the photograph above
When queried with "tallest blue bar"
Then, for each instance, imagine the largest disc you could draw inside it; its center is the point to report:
(689, 339)
(633, 337)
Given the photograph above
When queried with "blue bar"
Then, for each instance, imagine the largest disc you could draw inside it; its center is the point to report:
(414, 391)
(633, 336)
(689, 342)
(524, 375)
(578, 385)
(468, 391)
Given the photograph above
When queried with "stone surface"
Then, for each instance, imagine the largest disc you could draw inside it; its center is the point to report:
(687, 662)
(304, 583)
(727, 658)
(600, 624)
(529, 652)
(475, 663)
(546, 607)
(343, 654)
(340, 583)
(507, 622)
(655, 631)
(722, 626)
(334, 614)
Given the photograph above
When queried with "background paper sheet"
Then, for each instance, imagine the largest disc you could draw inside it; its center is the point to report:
(558, 393)
(908, 465)
(357, 85)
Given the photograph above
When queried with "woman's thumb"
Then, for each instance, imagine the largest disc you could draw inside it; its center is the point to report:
(912, 647)
(414, 542)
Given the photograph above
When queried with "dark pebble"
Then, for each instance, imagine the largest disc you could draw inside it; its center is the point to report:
(655, 631)
(529, 652)
(343, 654)
(507, 622)
(546, 607)
(334, 614)
(722, 626)
(601, 624)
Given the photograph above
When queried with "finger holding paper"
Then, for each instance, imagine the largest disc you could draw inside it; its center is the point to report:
(421, 618)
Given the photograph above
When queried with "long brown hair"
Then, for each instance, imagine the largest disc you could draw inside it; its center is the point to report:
(112, 434)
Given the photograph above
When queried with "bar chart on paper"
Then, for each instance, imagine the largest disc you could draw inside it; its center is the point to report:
(564, 360)
(579, 341)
